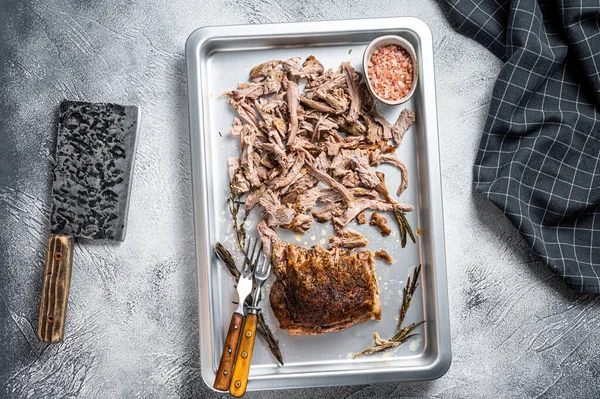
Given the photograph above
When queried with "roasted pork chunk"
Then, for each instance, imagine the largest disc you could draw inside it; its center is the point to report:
(319, 290)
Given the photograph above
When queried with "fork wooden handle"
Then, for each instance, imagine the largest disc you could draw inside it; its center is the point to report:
(227, 358)
(55, 289)
(239, 380)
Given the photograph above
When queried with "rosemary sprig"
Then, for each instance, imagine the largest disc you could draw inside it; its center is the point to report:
(226, 257)
(235, 204)
(405, 228)
(382, 344)
(409, 290)
(264, 330)
(262, 326)
(404, 333)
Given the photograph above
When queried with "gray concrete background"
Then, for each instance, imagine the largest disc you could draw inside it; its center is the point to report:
(132, 327)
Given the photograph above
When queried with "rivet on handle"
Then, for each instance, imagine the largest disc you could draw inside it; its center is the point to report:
(238, 384)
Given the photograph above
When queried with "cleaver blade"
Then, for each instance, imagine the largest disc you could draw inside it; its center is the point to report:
(94, 164)
(95, 149)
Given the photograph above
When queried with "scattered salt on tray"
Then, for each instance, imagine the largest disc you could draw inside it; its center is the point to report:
(390, 71)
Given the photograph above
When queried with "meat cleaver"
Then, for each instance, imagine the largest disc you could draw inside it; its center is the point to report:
(95, 148)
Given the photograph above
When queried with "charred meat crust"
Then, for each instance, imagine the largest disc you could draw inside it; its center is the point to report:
(319, 291)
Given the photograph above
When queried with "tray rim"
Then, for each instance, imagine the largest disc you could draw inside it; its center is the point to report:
(195, 43)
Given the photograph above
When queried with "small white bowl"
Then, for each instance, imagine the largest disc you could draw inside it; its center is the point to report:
(384, 41)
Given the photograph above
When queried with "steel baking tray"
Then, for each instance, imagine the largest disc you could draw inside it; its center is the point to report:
(217, 59)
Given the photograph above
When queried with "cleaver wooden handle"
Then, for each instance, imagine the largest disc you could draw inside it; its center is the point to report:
(55, 289)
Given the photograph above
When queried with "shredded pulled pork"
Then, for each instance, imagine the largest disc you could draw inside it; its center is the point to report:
(348, 238)
(381, 222)
(361, 218)
(308, 154)
(381, 254)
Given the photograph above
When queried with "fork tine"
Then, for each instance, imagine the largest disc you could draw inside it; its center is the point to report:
(248, 244)
(262, 270)
(246, 257)
(260, 251)
(253, 259)
(266, 265)
(262, 264)
(247, 262)
(259, 261)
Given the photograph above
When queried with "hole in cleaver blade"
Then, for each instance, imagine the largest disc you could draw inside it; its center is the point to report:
(95, 149)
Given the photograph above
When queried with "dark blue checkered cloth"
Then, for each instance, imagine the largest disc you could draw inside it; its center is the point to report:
(539, 157)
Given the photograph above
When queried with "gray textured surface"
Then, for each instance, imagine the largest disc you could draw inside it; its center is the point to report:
(132, 326)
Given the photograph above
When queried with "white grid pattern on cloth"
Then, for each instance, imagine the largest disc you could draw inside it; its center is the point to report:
(538, 158)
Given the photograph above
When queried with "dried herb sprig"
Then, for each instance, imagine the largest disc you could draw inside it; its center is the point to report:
(262, 326)
(404, 333)
(273, 344)
(226, 257)
(235, 205)
(405, 229)
(409, 290)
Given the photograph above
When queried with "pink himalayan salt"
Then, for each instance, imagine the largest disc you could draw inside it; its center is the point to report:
(390, 72)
